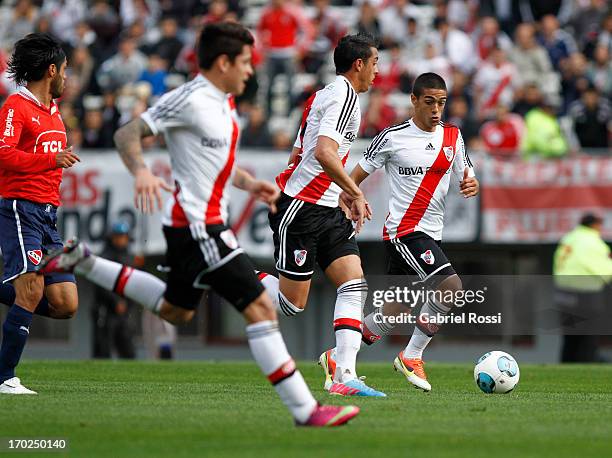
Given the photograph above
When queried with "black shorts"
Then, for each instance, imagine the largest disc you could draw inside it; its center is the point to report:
(418, 254)
(305, 233)
(211, 261)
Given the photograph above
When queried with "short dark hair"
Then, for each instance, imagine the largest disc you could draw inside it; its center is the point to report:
(590, 219)
(427, 81)
(353, 47)
(32, 57)
(222, 38)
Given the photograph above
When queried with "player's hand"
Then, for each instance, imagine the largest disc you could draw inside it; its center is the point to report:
(469, 186)
(360, 211)
(66, 158)
(147, 189)
(266, 192)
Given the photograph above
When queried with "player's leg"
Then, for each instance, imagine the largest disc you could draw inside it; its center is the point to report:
(294, 233)
(338, 256)
(426, 257)
(21, 244)
(236, 282)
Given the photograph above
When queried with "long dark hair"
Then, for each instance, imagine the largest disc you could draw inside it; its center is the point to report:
(32, 57)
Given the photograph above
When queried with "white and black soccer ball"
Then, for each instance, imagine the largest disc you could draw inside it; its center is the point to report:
(496, 372)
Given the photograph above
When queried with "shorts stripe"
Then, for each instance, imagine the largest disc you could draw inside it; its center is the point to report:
(402, 249)
(292, 210)
(21, 244)
(436, 271)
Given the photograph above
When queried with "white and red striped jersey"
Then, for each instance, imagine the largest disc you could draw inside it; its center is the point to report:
(333, 112)
(418, 166)
(199, 124)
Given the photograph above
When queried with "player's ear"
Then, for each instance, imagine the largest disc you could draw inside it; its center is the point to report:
(224, 63)
(52, 70)
(359, 64)
(413, 98)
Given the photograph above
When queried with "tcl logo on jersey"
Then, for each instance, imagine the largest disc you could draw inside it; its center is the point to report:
(300, 257)
(428, 257)
(9, 129)
(419, 170)
(52, 146)
(350, 136)
(35, 256)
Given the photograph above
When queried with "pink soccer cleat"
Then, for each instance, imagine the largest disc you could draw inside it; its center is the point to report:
(64, 259)
(330, 416)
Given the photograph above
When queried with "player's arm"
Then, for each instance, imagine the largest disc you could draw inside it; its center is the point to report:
(147, 186)
(464, 170)
(261, 189)
(16, 160)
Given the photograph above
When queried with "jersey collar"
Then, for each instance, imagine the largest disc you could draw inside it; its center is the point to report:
(412, 123)
(344, 78)
(214, 90)
(26, 93)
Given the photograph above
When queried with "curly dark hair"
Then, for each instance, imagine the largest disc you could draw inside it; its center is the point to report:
(32, 57)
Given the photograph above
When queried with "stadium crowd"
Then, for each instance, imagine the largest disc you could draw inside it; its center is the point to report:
(525, 78)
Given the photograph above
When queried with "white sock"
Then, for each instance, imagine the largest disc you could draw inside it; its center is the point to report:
(372, 330)
(270, 353)
(423, 333)
(142, 287)
(347, 326)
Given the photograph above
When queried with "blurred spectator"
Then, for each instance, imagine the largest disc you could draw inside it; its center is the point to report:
(110, 114)
(592, 119)
(284, 34)
(83, 36)
(528, 98)
(390, 70)
(586, 21)
(328, 30)
(124, 67)
(559, 44)
(112, 329)
(461, 88)
(217, 11)
(104, 21)
(455, 45)
(599, 71)
(155, 74)
(532, 61)
(93, 134)
(368, 20)
(16, 21)
(506, 12)
(378, 115)
(582, 268)
(501, 136)
(256, 133)
(169, 46)
(494, 83)
(605, 35)
(488, 37)
(543, 137)
(64, 16)
(392, 21)
(145, 12)
(458, 114)
(434, 62)
(574, 79)
(81, 68)
(415, 42)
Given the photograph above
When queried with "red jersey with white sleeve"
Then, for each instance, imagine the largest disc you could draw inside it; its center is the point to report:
(200, 126)
(418, 166)
(333, 112)
(31, 135)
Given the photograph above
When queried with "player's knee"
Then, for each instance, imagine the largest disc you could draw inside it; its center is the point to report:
(354, 292)
(174, 314)
(29, 291)
(297, 300)
(63, 311)
(261, 309)
(451, 284)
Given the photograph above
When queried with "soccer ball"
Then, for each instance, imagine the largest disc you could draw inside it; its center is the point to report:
(496, 372)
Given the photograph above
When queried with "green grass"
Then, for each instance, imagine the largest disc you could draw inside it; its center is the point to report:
(228, 409)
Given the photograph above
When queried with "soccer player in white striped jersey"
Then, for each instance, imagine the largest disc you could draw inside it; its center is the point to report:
(199, 124)
(310, 227)
(418, 156)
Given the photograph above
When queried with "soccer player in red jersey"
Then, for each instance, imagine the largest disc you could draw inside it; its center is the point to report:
(32, 155)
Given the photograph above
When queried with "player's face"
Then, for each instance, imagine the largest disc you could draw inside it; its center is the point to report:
(58, 83)
(429, 106)
(369, 71)
(240, 71)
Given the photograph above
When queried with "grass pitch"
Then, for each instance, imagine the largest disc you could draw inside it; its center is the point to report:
(196, 409)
